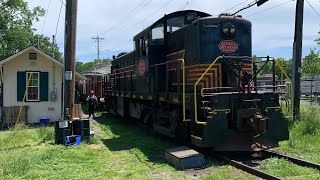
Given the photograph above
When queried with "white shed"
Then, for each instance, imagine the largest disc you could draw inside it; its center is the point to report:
(35, 77)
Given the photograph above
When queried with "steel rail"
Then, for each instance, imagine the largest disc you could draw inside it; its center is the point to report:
(246, 168)
(294, 160)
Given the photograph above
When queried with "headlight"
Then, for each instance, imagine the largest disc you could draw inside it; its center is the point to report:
(232, 30)
(225, 30)
(229, 30)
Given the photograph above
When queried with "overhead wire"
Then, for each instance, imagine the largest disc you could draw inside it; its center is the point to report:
(188, 4)
(270, 8)
(44, 23)
(136, 24)
(126, 17)
(62, 2)
(147, 17)
(246, 7)
(55, 35)
(313, 8)
(236, 5)
(45, 18)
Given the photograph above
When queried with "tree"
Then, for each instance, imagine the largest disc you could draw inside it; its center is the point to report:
(43, 43)
(318, 40)
(286, 65)
(80, 67)
(84, 67)
(311, 63)
(16, 32)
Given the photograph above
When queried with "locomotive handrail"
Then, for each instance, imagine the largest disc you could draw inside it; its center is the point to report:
(290, 90)
(183, 84)
(212, 88)
(195, 92)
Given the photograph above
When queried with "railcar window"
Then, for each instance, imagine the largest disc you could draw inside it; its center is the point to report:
(175, 23)
(157, 34)
(145, 46)
(140, 47)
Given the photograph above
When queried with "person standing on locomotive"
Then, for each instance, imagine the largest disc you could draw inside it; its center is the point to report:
(91, 100)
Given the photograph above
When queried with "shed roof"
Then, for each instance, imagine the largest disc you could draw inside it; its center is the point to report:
(78, 75)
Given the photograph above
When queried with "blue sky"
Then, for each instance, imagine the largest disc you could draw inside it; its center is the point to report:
(273, 29)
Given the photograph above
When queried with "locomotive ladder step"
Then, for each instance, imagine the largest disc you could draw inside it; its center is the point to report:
(205, 108)
(205, 101)
(252, 100)
(164, 131)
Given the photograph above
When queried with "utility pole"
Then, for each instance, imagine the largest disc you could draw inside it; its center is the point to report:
(98, 39)
(69, 57)
(297, 55)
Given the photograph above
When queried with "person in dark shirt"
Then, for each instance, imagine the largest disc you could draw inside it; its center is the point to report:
(91, 100)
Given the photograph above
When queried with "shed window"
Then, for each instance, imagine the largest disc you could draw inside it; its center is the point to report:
(32, 56)
(38, 88)
(32, 86)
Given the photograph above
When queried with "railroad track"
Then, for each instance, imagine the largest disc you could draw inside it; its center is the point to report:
(238, 162)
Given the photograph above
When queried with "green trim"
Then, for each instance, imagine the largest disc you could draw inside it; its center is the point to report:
(44, 86)
(21, 85)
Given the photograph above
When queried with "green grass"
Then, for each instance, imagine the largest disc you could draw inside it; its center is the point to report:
(303, 143)
(304, 133)
(121, 150)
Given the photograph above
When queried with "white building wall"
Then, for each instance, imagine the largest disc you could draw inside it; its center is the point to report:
(50, 109)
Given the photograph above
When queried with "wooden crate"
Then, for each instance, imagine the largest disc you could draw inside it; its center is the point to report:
(77, 111)
(10, 115)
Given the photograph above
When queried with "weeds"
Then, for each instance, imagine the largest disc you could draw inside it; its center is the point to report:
(46, 134)
(92, 140)
(304, 133)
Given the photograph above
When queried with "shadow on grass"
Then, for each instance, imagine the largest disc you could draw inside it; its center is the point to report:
(128, 135)
(132, 136)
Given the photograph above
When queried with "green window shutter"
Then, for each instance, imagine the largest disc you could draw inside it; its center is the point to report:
(44, 86)
(21, 85)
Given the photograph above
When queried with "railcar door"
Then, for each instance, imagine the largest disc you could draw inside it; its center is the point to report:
(142, 65)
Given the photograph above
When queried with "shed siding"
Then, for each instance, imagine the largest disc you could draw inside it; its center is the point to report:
(50, 109)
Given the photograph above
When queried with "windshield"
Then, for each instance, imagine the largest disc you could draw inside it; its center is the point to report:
(175, 23)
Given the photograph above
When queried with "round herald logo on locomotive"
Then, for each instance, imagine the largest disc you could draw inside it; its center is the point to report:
(228, 46)
(142, 67)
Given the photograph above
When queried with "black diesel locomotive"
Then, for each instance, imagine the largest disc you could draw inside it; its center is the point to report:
(191, 77)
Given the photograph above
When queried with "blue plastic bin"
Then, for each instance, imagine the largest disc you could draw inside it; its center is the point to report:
(44, 120)
(73, 140)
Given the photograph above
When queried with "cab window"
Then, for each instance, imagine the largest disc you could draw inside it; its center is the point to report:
(175, 23)
(157, 34)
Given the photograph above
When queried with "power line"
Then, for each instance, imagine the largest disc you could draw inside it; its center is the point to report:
(62, 2)
(188, 4)
(125, 18)
(147, 17)
(58, 19)
(246, 7)
(45, 19)
(235, 6)
(313, 8)
(271, 8)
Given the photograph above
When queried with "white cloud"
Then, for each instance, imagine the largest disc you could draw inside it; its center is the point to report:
(272, 29)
